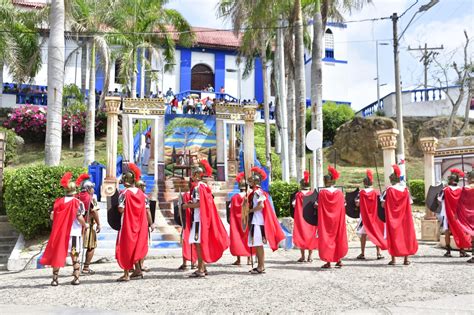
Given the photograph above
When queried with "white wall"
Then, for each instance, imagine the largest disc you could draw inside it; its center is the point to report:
(203, 57)
(231, 79)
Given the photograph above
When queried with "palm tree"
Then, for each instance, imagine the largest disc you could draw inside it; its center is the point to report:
(257, 18)
(146, 25)
(55, 83)
(322, 10)
(91, 17)
(19, 43)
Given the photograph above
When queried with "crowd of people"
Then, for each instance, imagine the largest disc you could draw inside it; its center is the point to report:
(319, 223)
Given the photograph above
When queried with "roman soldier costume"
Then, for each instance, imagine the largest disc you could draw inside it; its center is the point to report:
(331, 221)
(370, 224)
(189, 252)
(400, 229)
(465, 210)
(238, 232)
(449, 198)
(207, 229)
(304, 233)
(89, 199)
(132, 239)
(66, 233)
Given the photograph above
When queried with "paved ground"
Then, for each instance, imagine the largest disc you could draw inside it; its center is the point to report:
(431, 285)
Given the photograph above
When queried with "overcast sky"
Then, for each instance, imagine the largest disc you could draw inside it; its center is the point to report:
(443, 25)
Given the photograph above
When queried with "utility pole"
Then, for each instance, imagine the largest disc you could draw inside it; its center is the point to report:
(398, 97)
(426, 58)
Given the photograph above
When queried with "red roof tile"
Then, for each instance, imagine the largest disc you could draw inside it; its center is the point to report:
(214, 38)
(29, 4)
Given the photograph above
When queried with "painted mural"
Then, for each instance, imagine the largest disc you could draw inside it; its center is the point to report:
(188, 139)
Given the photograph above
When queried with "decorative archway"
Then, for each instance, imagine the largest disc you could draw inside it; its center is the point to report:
(201, 76)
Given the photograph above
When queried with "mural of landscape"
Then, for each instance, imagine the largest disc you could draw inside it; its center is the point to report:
(193, 134)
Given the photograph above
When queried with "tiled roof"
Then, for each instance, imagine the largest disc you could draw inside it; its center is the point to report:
(214, 38)
(29, 4)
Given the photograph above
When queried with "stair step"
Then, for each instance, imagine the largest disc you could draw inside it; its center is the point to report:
(6, 248)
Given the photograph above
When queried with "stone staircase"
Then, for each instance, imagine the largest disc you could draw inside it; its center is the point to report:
(165, 240)
(8, 238)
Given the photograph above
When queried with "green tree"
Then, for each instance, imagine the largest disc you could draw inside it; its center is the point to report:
(186, 127)
(146, 25)
(334, 116)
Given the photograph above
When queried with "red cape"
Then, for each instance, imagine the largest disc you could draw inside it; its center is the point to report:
(238, 237)
(304, 234)
(374, 227)
(132, 240)
(273, 232)
(332, 226)
(63, 217)
(187, 248)
(401, 236)
(451, 199)
(214, 238)
(86, 199)
(465, 210)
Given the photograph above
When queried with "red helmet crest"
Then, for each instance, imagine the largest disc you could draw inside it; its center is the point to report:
(457, 171)
(306, 177)
(207, 167)
(333, 172)
(66, 179)
(370, 175)
(260, 172)
(396, 170)
(82, 178)
(135, 170)
(239, 177)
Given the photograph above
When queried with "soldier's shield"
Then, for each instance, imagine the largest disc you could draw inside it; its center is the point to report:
(227, 211)
(380, 210)
(352, 210)
(292, 208)
(432, 202)
(176, 217)
(114, 217)
(310, 213)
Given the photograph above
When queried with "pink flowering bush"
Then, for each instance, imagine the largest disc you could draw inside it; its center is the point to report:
(29, 121)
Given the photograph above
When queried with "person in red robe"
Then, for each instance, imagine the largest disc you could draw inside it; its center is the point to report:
(449, 198)
(304, 234)
(208, 233)
(132, 239)
(465, 210)
(332, 235)
(239, 236)
(189, 252)
(369, 223)
(400, 229)
(89, 199)
(142, 186)
(66, 233)
(264, 225)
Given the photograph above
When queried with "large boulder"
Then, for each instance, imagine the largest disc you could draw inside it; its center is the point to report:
(438, 127)
(356, 140)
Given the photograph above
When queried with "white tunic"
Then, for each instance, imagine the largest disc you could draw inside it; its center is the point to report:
(197, 216)
(258, 221)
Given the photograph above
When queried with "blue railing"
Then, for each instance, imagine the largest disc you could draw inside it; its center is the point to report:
(181, 95)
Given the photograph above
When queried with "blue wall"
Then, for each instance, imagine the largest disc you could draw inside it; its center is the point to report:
(219, 66)
(185, 70)
(258, 80)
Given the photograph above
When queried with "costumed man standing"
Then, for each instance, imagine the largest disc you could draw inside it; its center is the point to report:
(400, 229)
(264, 225)
(449, 198)
(238, 233)
(465, 210)
(369, 223)
(189, 252)
(132, 239)
(89, 199)
(304, 234)
(151, 225)
(66, 233)
(208, 233)
(332, 235)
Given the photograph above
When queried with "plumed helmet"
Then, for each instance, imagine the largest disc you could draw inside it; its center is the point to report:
(331, 177)
(203, 169)
(68, 184)
(240, 179)
(84, 183)
(131, 174)
(304, 182)
(369, 178)
(395, 176)
(141, 185)
(455, 176)
(470, 176)
(257, 175)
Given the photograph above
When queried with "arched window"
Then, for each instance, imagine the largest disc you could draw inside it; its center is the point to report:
(329, 44)
(201, 77)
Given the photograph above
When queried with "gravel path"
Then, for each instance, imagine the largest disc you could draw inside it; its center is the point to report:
(286, 287)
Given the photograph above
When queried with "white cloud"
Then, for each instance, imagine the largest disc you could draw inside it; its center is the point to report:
(199, 12)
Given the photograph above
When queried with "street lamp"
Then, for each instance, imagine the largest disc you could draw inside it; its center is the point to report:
(239, 80)
(398, 92)
(377, 65)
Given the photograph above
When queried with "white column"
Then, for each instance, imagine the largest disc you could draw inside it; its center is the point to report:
(388, 141)
(131, 157)
(125, 137)
(109, 186)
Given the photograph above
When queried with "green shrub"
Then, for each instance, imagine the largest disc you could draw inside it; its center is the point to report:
(281, 192)
(11, 145)
(259, 141)
(29, 195)
(334, 116)
(417, 190)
